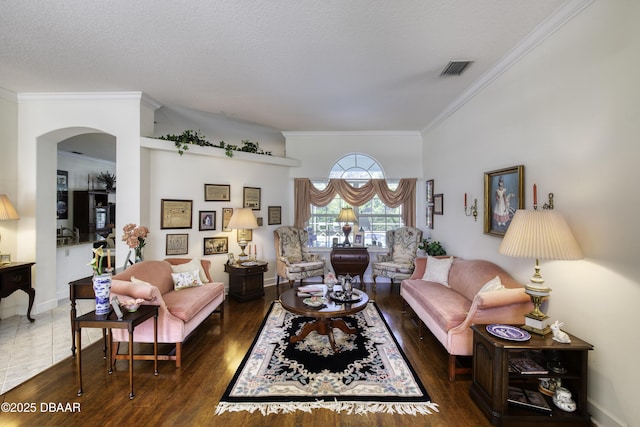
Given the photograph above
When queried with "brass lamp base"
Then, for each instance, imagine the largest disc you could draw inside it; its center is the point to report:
(536, 325)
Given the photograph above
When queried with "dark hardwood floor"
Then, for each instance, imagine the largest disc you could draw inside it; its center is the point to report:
(188, 396)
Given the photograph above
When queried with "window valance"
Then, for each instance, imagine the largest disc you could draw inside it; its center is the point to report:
(306, 194)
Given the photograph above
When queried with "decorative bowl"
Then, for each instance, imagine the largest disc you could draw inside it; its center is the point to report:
(132, 305)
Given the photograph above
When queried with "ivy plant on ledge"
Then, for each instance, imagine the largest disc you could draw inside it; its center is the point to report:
(187, 137)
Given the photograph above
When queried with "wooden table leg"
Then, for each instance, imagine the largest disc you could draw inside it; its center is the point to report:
(32, 296)
(110, 359)
(155, 345)
(79, 358)
(73, 328)
(131, 395)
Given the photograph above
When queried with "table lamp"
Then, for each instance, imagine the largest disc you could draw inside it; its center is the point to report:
(346, 215)
(7, 213)
(540, 235)
(243, 219)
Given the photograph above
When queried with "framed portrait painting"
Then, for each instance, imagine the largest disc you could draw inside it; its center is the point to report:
(503, 195)
(207, 220)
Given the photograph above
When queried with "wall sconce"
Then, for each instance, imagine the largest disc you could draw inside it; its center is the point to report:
(471, 210)
(547, 206)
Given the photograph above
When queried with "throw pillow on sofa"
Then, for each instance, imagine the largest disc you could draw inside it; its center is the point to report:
(187, 279)
(189, 267)
(437, 270)
(494, 284)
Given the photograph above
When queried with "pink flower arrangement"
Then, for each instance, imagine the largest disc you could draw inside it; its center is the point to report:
(134, 236)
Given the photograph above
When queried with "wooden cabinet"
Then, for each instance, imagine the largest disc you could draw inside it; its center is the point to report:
(17, 276)
(92, 213)
(492, 378)
(246, 281)
(353, 260)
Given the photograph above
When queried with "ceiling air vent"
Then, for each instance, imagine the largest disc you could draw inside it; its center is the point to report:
(455, 68)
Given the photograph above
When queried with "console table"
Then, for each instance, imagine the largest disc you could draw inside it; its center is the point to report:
(14, 276)
(352, 260)
(111, 321)
(246, 279)
(492, 378)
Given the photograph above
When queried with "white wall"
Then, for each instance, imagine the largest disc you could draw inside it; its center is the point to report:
(172, 176)
(8, 167)
(569, 112)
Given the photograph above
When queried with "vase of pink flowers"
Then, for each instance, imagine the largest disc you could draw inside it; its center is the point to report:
(135, 237)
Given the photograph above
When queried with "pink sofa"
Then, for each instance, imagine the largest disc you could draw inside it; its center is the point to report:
(180, 311)
(449, 312)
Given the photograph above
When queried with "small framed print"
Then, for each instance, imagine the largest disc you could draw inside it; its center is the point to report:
(245, 235)
(217, 193)
(216, 245)
(207, 220)
(177, 244)
(259, 221)
(438, 204)
(5, 259)
(503, 195)
(358, 238)
(274, 215)
(226, 217)
(251, 198)
(175, 213)
(231, 259)
(430, 204)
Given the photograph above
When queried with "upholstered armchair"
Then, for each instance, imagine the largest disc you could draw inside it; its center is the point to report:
(293, 260)
(398, 262)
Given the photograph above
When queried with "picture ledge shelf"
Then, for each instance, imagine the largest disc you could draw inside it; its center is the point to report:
(164, 145)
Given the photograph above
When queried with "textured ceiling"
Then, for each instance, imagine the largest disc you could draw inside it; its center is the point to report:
(314, 65)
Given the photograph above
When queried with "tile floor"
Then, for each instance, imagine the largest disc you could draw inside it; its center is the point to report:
(29, 348)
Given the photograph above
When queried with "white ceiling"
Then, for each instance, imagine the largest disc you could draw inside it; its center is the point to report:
(294, 65)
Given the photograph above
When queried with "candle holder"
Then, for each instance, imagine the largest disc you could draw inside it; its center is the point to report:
(548, 206)
(472, 210)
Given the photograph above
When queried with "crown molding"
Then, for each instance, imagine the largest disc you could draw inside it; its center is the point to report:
(79, 96)
(352, 133)
(564, 14)
(8, 95)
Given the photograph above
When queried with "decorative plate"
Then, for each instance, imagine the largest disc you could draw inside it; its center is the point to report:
(508, 332)
(341, 297)
(249, 263)
(314, 301)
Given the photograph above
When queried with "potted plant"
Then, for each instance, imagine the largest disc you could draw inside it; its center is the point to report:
(108, 179)
(433, 248)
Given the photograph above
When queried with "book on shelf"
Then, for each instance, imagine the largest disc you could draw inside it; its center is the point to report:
(528, 399)
(526, 366)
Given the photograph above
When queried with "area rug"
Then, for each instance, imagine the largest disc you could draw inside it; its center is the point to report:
(370, 373)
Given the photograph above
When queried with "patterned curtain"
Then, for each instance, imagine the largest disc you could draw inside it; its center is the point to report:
(305, 195)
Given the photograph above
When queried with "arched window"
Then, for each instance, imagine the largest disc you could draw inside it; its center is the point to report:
(374, 217)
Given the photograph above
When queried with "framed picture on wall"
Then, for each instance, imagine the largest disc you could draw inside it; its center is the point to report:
(62, 202)
(251, 198)
(226, 217)
(438, 204)
(177, 244)
(503, 195)
(207, 220)
(217, 193)
(274, 215)
(175, 213)
(245, 235)
(430, 204)
(215, 245)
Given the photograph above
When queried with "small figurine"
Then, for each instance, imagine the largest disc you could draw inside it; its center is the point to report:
(559, 335)
(562, 399)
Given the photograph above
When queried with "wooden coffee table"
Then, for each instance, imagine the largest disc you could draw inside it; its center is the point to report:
(325, 318)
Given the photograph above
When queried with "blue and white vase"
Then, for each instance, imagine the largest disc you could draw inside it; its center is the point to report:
(102, 290)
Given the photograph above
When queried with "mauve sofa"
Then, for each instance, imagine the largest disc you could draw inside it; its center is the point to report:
(450, 311)
(180, 312)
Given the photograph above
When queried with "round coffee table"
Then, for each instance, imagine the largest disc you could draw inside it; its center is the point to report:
(325, 318)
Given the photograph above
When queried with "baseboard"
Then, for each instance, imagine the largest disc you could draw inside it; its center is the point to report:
(602, 418)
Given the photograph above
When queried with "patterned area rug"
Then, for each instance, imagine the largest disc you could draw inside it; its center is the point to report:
(369, 374)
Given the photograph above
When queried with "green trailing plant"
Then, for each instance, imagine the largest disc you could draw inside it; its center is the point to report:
(187, 137)
(433, 248)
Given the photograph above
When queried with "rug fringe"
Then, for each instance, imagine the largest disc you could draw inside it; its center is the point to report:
(358, 408)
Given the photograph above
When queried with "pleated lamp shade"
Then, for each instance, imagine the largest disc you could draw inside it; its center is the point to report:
(540, 235)
(7, 211)
(244, 219)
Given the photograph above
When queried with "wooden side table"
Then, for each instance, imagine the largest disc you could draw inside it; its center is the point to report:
(14, 276)
(82, 289)
(352, 260)
(246, 280)
(111, 321)
(492, 378)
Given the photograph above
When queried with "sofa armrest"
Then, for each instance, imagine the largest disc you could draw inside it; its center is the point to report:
(500, 298)
(385, 257)
(125, 290)
(420, 267)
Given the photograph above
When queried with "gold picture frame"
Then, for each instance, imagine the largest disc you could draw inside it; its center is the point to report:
(175, 213)
(503, 195)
